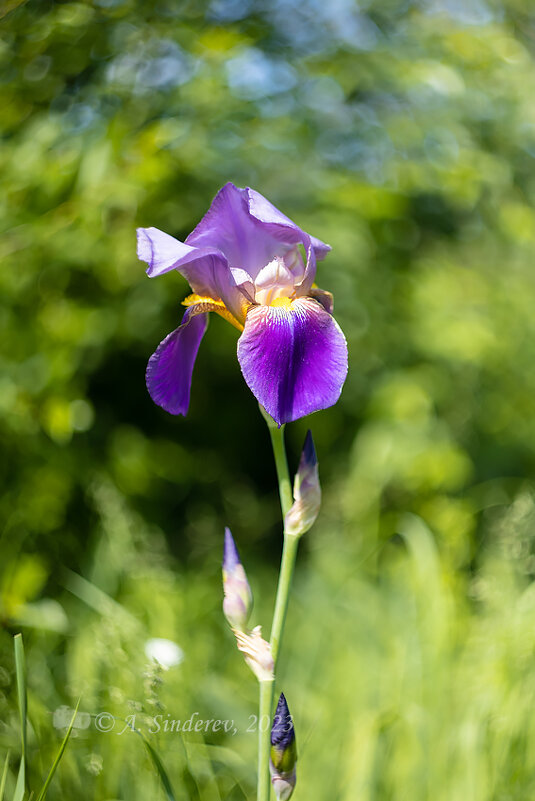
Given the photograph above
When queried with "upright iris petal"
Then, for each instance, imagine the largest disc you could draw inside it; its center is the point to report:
(252, 265)
(229, 227)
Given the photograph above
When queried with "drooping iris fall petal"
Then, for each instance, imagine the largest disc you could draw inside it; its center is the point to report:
(293, 357)
(170, 367)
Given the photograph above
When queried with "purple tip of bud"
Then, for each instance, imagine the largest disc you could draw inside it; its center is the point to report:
(231, 557)
(282, 731)
(309, 451)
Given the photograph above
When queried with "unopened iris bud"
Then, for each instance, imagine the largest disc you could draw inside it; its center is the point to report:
(307, 492)
(283, 755)
(238, 600)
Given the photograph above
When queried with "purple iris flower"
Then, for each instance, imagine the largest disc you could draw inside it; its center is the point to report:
(249, 263)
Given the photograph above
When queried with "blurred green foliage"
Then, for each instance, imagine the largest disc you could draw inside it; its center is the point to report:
(402, 133)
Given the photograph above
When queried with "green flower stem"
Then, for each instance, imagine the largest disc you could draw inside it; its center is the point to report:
(264, 739)
(289, 548)
(289, 553)
(281, 465)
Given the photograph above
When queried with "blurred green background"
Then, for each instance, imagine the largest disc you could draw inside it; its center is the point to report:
(402, 133)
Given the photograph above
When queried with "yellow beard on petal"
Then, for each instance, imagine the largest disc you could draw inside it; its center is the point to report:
(207, 304)
(284, 302)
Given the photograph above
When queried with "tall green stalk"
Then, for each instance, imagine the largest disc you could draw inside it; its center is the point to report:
(289, 553)
(281, 465)
(264, 742)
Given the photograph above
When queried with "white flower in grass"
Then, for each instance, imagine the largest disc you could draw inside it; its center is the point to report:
(166, 652)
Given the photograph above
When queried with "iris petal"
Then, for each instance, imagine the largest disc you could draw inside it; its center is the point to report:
(322, 296)
(163, 253)
(251, 232)
(170, 367)
(293, 358)
(280, 226)
(205, 268)
(228, 226)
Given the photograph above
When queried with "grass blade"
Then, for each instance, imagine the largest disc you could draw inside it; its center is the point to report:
(157, 762)
(20, 670)
(4, 777)
(21, 781)
(57, 760)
